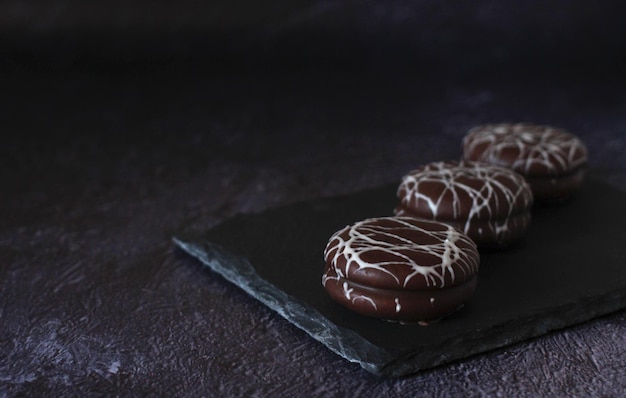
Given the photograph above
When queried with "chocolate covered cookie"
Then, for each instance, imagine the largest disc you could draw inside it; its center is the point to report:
(551, 159)
(401, 268)
(490, 204)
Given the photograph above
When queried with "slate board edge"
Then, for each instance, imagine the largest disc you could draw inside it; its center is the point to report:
(238, 270)
(243, 275)
(512, 332)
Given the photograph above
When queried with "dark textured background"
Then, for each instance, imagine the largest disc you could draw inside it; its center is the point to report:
(124, 123)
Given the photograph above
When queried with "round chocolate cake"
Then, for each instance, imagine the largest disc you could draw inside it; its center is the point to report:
(490, 204)
(551, 159)
(401, 268)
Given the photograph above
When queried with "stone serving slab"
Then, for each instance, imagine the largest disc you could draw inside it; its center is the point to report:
(571, 267)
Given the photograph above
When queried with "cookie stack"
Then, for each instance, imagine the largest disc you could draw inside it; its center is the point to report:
(421, 264)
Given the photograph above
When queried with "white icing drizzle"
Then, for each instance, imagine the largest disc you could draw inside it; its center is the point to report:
(398, 306)
(364, 237)
(351, 296)
(347, 291)
(547, 148)
(493, 199)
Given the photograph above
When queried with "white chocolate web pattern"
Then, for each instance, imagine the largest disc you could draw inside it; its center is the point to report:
(466, 193)
(400, 245)
(526, 148)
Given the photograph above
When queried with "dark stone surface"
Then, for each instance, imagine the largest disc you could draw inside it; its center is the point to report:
(566, 271)
(121, 128)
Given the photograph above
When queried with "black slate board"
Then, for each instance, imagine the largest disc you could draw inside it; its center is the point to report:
(571, 267)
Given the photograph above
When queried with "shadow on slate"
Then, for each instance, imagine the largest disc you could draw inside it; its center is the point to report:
(571, 267)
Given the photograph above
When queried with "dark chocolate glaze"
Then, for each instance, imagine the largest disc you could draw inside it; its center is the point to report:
(400, 268)
(398, 304)
(551, 159)
(488, 203)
